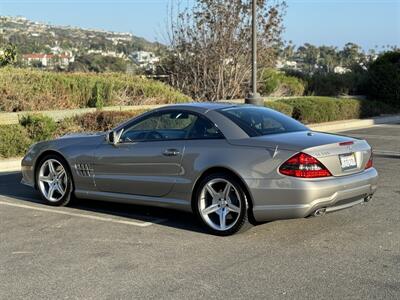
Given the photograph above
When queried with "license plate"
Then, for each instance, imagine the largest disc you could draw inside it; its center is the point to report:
(348, 161)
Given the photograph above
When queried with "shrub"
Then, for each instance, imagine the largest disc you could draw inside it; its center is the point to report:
(39, 128)
(279, 106)
(102, 120)
(66, 126)
(14, 141)
(275, 83)
(370, 108)
(329, 84)
(97, 99)
(310, 110)
(384, 78)
(333, 84)
(325, 109)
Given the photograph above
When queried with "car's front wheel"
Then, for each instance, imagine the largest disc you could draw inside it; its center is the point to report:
(221, 204)
(54, 181)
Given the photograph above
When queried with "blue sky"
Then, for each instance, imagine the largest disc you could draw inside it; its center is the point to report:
(330, 22)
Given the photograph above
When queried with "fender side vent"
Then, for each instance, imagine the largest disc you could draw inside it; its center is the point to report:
(84, 170)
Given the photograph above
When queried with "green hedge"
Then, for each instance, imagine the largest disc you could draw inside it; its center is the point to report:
(279, 106)
(39, 127)
(325, 109)
(14, 141)
(100, 121)
(276, 83)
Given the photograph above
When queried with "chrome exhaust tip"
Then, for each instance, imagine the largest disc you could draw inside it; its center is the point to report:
(320, 212)
(368, 198)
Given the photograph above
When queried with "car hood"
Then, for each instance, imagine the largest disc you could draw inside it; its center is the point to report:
(84, 138)
(81, 135)
(293, 141)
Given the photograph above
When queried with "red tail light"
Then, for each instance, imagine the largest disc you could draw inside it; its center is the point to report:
(370, 162)
(346, 143)
(304, 166)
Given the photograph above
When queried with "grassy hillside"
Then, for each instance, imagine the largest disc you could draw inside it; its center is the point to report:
(18, 32)
(27, 89)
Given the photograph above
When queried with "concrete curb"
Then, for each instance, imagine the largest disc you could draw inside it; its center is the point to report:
(344, 125)
(13, 165)
(10, 165)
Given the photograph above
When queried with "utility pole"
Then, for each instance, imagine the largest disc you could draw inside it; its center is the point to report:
(253, 97)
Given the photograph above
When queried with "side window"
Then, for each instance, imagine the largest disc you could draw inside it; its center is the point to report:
(139, 130)
(147, 124)
(170, 125)
(272, 126)
(177, 120)
(204, 129)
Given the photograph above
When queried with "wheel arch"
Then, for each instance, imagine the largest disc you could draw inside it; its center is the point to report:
(222, 169)
(47, 153)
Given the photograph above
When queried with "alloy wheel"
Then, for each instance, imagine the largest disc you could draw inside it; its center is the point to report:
(53, 180)
(219, 204)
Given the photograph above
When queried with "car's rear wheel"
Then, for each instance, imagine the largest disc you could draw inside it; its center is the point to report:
(54, 180)
(221, 204)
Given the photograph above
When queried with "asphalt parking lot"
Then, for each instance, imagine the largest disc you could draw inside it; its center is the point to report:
(96, 250)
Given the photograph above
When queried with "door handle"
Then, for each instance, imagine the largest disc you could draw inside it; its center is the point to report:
(171, 152)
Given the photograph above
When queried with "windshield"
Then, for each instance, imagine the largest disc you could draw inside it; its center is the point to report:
(257, 121)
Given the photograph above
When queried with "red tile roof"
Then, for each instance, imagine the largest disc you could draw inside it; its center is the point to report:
(37, 55)
(41, 56)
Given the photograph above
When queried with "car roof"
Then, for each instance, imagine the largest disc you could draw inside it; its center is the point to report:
(229, 128)
(199, 106)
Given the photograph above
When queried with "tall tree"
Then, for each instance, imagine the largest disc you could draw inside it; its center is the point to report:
(329, 58)
(210, 55)
(351, 54)
(309, 54)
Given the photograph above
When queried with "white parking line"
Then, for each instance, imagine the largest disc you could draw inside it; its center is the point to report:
(385, 153)
(375, 136)
(393, 125)
(92, 217)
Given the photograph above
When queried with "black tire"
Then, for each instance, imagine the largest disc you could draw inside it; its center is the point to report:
(67, 197)
(242, 223)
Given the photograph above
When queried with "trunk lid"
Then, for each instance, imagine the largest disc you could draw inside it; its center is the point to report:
(333, 151)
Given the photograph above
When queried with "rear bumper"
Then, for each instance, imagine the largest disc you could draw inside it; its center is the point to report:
(288, 197)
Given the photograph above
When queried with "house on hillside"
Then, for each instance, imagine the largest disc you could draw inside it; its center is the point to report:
(145, 59)
(106, 53)
(287, 64)
(341, 70)
(48, 60)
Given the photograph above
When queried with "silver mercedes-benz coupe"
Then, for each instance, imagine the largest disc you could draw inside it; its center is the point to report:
(231, 165)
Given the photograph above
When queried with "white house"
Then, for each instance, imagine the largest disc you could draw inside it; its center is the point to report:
(106, 53)
(341, 70)
(48, 60)
(145, 58)
(287, 64)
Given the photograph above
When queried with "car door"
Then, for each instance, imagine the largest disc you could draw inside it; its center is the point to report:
(147, 159)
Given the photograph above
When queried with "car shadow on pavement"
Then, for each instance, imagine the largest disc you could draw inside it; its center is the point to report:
(11, 187)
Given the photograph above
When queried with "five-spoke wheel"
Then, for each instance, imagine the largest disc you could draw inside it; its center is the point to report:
(53, 181)
(221, 204)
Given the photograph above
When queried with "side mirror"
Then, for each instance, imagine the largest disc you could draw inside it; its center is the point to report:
(112, 137)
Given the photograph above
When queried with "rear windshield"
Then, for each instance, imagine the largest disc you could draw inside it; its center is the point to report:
(257, 121)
